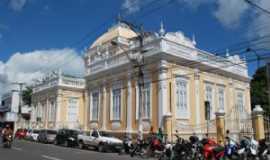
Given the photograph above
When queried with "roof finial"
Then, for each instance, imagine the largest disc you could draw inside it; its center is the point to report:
(227, 52)
(119, 18)
(162, 30)
(194, 39)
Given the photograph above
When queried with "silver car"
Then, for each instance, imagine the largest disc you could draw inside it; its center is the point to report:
(47, 136)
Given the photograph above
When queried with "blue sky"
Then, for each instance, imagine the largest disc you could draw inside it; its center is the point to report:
(41, 30)
(45, 24)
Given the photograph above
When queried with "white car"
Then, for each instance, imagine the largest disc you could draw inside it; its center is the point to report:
(100, 140)
(33, 135)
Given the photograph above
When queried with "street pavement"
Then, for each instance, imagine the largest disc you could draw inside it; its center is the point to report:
(25, 150)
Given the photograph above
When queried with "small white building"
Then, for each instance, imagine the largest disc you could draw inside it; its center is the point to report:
(9, 107)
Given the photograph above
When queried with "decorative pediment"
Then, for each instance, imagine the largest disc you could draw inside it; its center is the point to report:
(179, 37)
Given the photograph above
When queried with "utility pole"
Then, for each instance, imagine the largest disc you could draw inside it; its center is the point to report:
(138, 63)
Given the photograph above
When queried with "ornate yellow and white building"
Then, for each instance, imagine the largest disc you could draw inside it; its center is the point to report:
(178, 79)
(59, 102)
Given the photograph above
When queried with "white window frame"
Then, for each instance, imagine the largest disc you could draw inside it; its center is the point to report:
(212, 106)
(220, 107)
(241, 109)
(179, 114)
(77, 112)
(92, 105)
(148, 117)
(52, 111)
(112, 116)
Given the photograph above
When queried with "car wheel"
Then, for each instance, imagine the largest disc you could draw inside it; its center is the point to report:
(66, 143)
(55, 142)
(101, 148)
(81, 145)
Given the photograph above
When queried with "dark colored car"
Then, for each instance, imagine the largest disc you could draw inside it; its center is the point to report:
(67, 137)
(47, 136)
(20, 133)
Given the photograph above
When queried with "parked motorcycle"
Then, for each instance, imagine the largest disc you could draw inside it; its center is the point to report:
(263, 150)
(127, 146)
(248, 149)
(182, 149)
(231, 148)
(139, 149)
(167, 153)
(7, 141)
(212, 151)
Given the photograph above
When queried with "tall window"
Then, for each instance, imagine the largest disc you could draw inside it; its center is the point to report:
(43, 111)
(221, 101)
(51, 111)
(73, 107)
(181, 98)
(95, 106)
(116, 104)
(240, 102)
(147, 99)
(209, 98)
(39, 111)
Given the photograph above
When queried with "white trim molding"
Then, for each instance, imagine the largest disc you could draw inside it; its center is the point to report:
(185, 84)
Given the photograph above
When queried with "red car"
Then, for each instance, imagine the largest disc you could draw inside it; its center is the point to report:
(20, 133)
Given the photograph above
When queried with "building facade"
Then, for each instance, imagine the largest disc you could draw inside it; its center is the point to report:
(58, 102)
(9, 108)
(178, 79)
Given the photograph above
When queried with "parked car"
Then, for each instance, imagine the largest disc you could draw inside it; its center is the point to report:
(33, 135)
(67, 137)
(100, 140)
(47, 136)
(20, 133)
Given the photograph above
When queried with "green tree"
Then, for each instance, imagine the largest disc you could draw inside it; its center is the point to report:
(259, 89)
(27, 96)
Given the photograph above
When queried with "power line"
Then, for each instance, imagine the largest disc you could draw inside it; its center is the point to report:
(72, 57)
(258, 7)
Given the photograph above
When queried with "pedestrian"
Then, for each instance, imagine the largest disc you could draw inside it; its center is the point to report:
(160, 135)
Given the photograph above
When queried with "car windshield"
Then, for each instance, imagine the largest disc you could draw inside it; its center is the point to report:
(51, 132)
(105, 134)
(87, 133)
(73, 132)
(35, 131)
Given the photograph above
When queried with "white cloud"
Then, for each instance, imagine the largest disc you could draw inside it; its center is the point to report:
(17, 5)
(131, 6)
(229, 12)
(194, 4)
(25, 67)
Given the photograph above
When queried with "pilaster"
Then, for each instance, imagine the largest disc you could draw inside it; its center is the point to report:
(162, 92)
(129, 104)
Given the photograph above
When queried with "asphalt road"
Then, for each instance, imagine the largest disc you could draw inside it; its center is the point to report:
(24, 150)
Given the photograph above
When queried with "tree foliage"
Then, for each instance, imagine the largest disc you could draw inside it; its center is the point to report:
(27, 96)
(259, 89)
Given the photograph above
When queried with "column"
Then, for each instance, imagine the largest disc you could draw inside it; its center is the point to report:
(86, 109)
(104, 107)
(168, 126)
(220, 124)
(47, 112)
(258, 122)
(162, 92)
(129, 105)
(197, 97)
(58, 109)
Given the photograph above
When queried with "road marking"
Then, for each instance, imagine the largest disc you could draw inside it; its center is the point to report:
(50, 158)
(18, 149)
